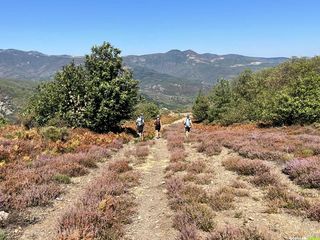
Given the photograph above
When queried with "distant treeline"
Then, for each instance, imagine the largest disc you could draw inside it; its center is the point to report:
(286, 94)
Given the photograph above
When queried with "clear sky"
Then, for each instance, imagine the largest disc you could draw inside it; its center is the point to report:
(249, 27)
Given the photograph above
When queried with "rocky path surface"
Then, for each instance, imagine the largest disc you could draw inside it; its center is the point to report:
(153, 219)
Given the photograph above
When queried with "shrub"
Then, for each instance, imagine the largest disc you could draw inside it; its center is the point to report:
(174, 186)
(222, 199)
(305, 172)
(104, 207)
(37, 195)
(142, 151)
(176, 167)
(54, 134)
(314, 212)
(234, 233)
(177, 154)
(281, 197)
(119, 166)
(188, 232)
(60, 178)
(265, 179)
(3, 235)
(197, 213)
(202, 178)
(175, 141)
(198, 166)
(194, 194)
(245, 166)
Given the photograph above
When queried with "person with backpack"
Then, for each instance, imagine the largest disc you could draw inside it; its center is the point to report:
(187, 125)
(157, 126)
(140, 126)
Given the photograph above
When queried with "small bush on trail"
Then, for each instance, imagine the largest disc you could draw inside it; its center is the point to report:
(188, 232)
(222, 199)
(177, 154)
(60, 178)
(314, 212)
(235, 233)
(245, 166)
(119, 166)
(199, 214)
(281, 197)
(196, 167)
(304, 172)
(265, 179)
(142, 151)
(177, 167)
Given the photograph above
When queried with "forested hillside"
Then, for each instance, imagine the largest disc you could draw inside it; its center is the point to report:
(286, 94)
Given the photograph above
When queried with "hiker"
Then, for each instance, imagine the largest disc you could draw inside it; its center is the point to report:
(140, 126)
(187, 125)
(157, 126)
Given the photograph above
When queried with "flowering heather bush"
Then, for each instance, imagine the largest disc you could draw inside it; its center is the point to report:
(177, 166)
(98, 153)
(188, 232)
(116, 144)
(281, 197)
(142, 151)
(181, 194)
(174, 186)
(175, 141)
(177, 154)
(196, 214)
(194, 194)
(103, 209)
(245, 166)
(235, 233)
(314, 212)
(119, 166)
(209, 145)
(26, 184)
(265, 179)
(259, 152)
(305, 172)
(222, 199)
(201, 179)
(239, 184)
(196, 167)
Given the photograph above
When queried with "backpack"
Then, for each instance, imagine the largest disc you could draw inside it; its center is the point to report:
(157, 122)
(188, 122)
(140, 122)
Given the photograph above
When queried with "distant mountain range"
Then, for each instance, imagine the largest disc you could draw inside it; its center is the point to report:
(172, 78)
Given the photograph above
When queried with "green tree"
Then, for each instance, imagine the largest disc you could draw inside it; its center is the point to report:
(96, 95)
(148, 109)
(220, 99)
(200, 107)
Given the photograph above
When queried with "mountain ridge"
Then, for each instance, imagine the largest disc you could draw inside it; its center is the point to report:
(173, 77)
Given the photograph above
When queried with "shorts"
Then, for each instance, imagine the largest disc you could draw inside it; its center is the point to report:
(187, 129)
(157, 128)
(140, 129)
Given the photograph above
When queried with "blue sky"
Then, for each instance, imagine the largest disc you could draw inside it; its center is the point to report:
(249, 27)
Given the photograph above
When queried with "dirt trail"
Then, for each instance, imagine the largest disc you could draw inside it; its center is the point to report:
(153, 220)
(46, 228)
(154, 215)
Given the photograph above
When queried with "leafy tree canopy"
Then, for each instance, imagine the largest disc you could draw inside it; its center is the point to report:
(97, 95)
